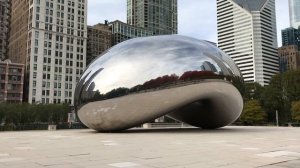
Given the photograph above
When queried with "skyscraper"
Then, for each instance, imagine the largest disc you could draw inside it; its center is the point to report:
(294, 13)
(50, 38)
(18, 34)
(99, 39)
(160, 17)
(122, 32)
(247, 33)
(4, 27)
(290, 36)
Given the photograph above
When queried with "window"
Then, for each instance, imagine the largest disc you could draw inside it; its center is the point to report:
(34, 75)
(36, 34)
(36, 50)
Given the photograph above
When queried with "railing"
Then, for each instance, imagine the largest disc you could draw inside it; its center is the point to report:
(166, 125)
(15, 91)
(18, 82)
(14, 98)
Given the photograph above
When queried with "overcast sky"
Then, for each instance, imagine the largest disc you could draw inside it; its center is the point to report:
(196, 18)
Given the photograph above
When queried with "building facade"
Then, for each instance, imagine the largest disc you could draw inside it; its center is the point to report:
(52, 45)
(11, 82)
(122, 31)
(247, 33)
(290, 36)
(294, 13)
(289, 58)
(4, 27)
(160, 17)
(99, 39)
(18, 36)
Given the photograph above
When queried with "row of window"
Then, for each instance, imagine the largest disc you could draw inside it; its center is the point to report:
(46, 100)
(55, 93)
(57, 85)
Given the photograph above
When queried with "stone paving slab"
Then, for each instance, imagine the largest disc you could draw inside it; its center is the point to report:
(229, 147)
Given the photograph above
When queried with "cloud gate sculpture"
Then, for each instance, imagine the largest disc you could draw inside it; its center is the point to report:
(142, 79)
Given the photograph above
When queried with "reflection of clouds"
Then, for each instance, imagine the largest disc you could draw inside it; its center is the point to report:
(138, 60)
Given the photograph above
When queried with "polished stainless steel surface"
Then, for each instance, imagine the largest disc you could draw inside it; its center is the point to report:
(144, 78)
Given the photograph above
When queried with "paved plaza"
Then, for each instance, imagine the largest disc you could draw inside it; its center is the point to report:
(230, 147)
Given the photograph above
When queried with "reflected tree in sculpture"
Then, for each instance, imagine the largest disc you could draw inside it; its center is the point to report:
(144, 78)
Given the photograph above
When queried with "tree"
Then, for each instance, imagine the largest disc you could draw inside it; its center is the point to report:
(296, 110)
(253, 113)
(253, 91)
(30, 113)
(283, 90)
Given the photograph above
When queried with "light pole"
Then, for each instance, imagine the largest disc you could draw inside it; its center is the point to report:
(277, 122)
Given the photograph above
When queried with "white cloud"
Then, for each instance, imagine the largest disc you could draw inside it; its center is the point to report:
(196, 18)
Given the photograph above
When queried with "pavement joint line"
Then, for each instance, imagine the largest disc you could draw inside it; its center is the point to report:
(4, 154)
(274, 164)
(11, 159)
(278, 153)
(83, 154)
(124, 164)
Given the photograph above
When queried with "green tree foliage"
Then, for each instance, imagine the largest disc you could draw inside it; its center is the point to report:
(283, 90)
(253, 91)
(296, 111)
(27, 113)
(253, 113)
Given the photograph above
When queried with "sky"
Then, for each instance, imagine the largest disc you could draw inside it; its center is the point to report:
(196, 18)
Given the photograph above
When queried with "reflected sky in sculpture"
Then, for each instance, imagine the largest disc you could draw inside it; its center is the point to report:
(142, 79)
(135, 62)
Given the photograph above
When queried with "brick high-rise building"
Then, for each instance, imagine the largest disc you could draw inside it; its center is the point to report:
(19, 30)
(289, 58)
(99, 39)
(50, 38)
(4, 27)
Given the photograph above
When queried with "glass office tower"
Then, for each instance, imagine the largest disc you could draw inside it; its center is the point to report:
(294, 13)
(160, 17)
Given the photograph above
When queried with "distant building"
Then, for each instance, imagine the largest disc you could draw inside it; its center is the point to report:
(291, 36)
(122, 31)
(294, 13)
(160, 17)
(4, 27)
(18, 36)
(247, 33)
(207, 66)
(49, 37)
(99, 39)
(11, 82)
(289, 58)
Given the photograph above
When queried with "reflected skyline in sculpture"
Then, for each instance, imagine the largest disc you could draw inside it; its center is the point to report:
(148, 65)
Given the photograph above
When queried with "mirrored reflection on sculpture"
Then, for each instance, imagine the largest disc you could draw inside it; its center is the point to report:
(142, 79)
